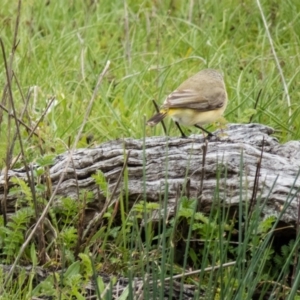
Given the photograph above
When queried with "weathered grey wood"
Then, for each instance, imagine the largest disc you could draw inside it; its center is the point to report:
(166, 162)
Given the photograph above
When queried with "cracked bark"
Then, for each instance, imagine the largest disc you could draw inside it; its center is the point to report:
(161, 163)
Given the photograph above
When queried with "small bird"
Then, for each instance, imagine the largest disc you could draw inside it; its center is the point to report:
(199, 100)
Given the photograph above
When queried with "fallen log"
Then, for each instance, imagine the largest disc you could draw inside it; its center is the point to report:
(243, 162)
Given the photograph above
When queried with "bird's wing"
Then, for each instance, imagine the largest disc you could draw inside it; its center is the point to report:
(195, 100)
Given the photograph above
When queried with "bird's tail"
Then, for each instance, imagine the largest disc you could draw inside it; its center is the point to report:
(156, 118)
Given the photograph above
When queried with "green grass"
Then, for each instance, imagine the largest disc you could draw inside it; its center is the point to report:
(161, 49)
(153, 46)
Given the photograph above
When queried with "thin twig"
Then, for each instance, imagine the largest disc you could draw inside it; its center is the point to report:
(8, 71)
(15, 44)
(40, 119)
(11, 144)
(199, 271)
(209, 269)
(284, 287)
(32, 131)
(39, 231)
(8, 158)
(21, 91)
(286, 91)
(46, 209)
(20, 121)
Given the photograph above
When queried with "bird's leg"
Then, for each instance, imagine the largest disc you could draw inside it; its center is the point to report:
(182, 133)
(209, 133)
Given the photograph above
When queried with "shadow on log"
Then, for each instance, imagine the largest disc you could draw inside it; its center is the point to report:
(160, 163)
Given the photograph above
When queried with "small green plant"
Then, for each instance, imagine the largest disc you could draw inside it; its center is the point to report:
(14, 233)
(23, 191)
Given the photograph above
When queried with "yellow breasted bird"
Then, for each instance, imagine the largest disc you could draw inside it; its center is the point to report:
(199, 100)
